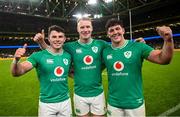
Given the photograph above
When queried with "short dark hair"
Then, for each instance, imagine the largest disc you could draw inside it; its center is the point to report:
(56, 28)
(113, 22)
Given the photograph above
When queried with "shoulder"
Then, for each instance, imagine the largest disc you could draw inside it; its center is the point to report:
(136, 44)
(66, 53)
(70, 43)
(38, 53)
(107, 49)
(100, 41)
(142, 45)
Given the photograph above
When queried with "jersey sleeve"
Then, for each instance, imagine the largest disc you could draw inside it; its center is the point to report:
(146, 50)
(67, 47)
(33, 58)
(105, 44)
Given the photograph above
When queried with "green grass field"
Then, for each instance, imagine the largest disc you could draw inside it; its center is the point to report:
(19, 96)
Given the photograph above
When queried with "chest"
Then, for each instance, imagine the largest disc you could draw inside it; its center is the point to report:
(51, 63)
(127, 57)
(87, 54)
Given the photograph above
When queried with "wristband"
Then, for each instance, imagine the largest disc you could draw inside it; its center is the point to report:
(15, 61)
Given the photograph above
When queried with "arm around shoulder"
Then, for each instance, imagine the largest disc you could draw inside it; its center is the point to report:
(40, 39)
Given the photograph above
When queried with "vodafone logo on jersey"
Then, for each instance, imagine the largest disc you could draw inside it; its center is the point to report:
(118, 66)
(58, 71)
(88, 60)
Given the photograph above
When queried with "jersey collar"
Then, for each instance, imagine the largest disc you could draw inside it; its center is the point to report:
(83, 44)
(55, 54)
(121, 47)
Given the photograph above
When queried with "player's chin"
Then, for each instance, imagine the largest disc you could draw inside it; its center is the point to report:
(86, 37)
(116, 40)
(58, 46)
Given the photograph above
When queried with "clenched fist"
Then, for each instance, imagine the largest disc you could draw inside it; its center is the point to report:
(165, 32)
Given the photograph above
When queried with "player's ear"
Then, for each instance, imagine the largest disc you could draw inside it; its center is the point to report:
(49, 38)
(64, 38)
(77, 27)
(123, 30)
(108, 35)
(91, 27)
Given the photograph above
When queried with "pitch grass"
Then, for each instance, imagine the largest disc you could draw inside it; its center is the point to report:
(19, 96)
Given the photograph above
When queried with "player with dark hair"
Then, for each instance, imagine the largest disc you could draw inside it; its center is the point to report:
(87, 62)
(52, 67)
(123, 59)
(86, 56)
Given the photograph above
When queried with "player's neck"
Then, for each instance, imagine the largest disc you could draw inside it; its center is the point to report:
(55, 51)
(85, 41)
(118, 44)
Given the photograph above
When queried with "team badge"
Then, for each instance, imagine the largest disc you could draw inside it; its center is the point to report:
(118, 66)
(88, 60)
(65, 61)
(58, 71)
(128, 54)
(95, 49)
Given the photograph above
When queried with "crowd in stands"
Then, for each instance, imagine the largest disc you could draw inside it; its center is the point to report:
(8, 52)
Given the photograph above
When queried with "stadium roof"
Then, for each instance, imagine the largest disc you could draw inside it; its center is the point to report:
(65, 9)
(33, 15)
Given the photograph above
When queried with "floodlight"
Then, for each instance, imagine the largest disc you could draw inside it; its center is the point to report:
(79, 15)
(97, 15)
(92, 2)
(108, 1)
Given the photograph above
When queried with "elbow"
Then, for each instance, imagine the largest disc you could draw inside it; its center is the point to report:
(166, 62)
(15, 74)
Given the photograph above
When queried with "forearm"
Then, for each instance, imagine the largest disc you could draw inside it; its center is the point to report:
(167, 52)
(165, 55)
(16, 68)
(43, 45)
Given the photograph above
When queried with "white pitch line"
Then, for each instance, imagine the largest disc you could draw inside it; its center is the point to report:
(173, 109)
(166, 113)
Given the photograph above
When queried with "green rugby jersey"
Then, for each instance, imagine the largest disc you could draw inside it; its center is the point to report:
(87, 61)
(52, 71)
(124, 74)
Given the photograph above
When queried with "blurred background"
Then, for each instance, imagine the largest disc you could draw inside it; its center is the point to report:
(20, 20)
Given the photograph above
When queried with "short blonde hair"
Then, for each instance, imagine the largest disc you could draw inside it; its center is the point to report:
(84, 18)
